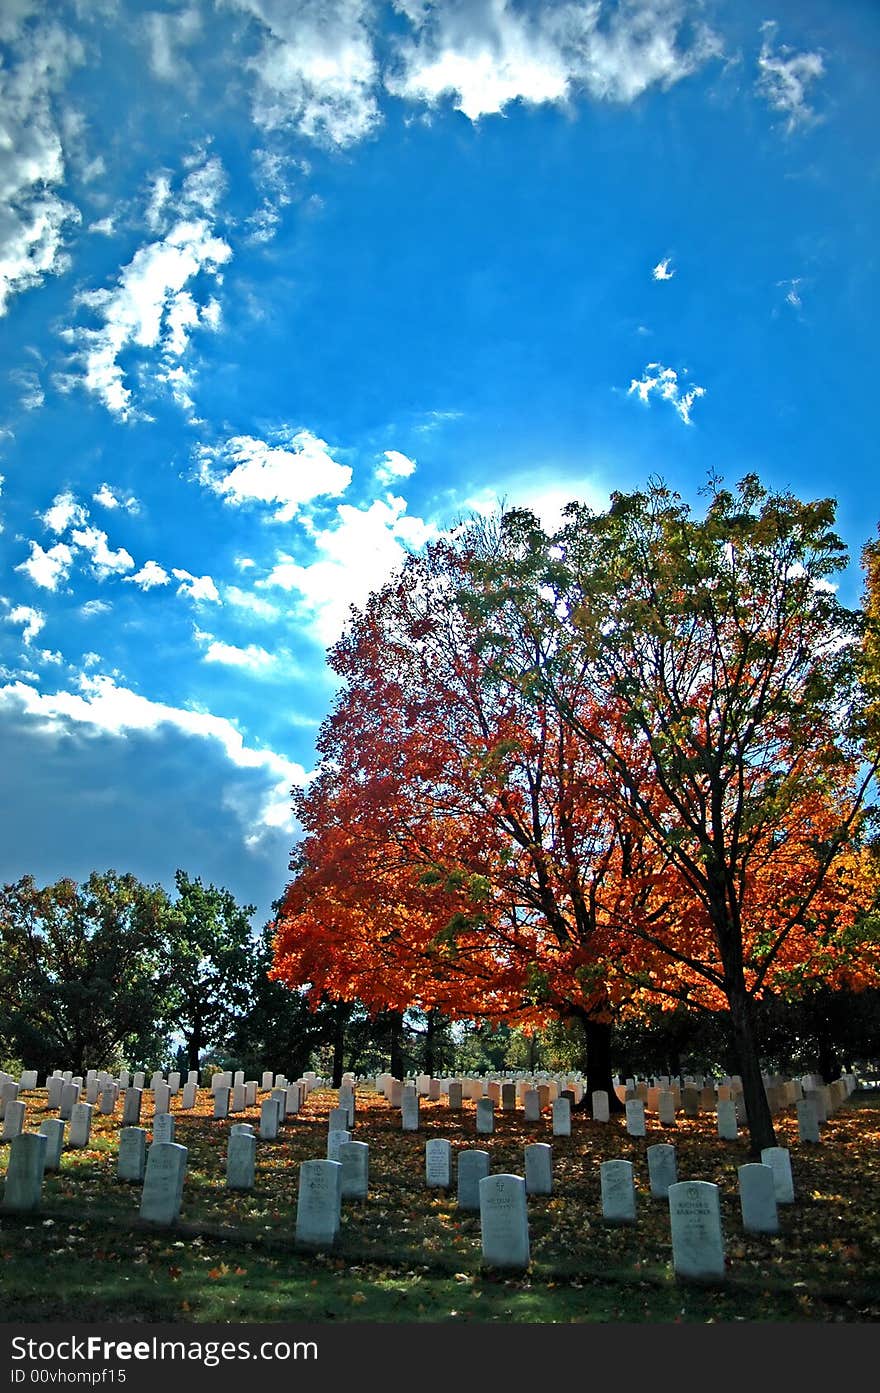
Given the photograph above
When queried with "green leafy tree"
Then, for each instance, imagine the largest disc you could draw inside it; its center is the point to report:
(213, 962)
(82, 972)
(725, 710)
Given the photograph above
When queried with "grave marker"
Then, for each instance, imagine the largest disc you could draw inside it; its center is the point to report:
(618, 1192)
(438, 1163)
(661, 1169)
(23, 1186)
(131, 1159)
(504, 1225)
(319, 1203)
(241, 1160)
(163, 1183)
(473, 1166)
(757, 1198)
(538, 1168)
(697, 1239)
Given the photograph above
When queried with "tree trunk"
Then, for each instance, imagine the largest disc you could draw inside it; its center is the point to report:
(430, 1036)
(193, 1048)
(340, 1017)
(396, 1063)
(598, 1040)
(745, 1044)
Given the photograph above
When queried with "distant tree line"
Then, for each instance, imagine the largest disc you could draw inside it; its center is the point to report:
(112, 972)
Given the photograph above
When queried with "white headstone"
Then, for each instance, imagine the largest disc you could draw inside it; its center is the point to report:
(455, 1094)
(270, 1118)
(238, 1098)
(561, 1117)
(600, 1108)
(221, 1101)
(163, 1183)
(779, 1160)
(188, 1096)
(54, 1085)
(354, 1157)
(504, 1226)
(538, 1158)
(531, 1105)
(661, 1169)
(757, 1198)
(635, 1117)
(13, 1119)
(107, 1100)
(666, 1107)
(266, 1082)
(80, 1124)
(24, 1172)
(726, 1122)
(131, 1159)
(69, 1096)
(485, 1116)
(409, 1111)
(131, 1107)
(163, 1127)
(808, 1122)
(473, 1166)
(319, 1203)
(293, 1099)
(28, 1080)
(438, 1163)
(53, 1130)
(338, 1137)
(618, 1192)
(338, 1120)
(241, 1158)
(697, 1239)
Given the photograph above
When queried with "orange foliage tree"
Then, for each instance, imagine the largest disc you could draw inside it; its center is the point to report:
(459, 851)
(726, 713)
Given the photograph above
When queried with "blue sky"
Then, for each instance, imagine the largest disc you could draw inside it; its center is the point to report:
(289, 286)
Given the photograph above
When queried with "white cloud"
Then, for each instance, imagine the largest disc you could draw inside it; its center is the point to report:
(151, 306)
(252, 659)
(104, 227)
(355, 556)
(64, 512)
(48, 569)
(150, 575)
(488, 53)
(661, 271)
(291, 474)
(395, 466)
(542, 493)
(34, 218)
(664, 381)
(785, 77)
(32, 396)
(111, 498)
(196, 587)
(93, 607)
(32, 621)
(253, 604)
(792, 294)
(168, 35)
(315, 71)
(257, 782)
(104, 561)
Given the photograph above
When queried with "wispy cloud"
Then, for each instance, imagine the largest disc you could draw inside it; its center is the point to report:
(315, 71)
(111, 498)
(151, 306)
(355, 554)
(34, 217)
(196, 588)
(31, 620)
(394, 465)
(150, 575)
(50, 568)
(786, 77)
(488, 53)
(661, 271)
(252, 658)
(292, 472)
(792, 293)
(664, 382)
(104, 560)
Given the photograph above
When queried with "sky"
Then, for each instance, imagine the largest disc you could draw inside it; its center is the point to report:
(289, 287)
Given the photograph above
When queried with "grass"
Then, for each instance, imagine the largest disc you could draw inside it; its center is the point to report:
(407, 1254)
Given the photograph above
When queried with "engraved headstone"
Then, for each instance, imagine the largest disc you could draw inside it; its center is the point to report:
(538, 1158)
(80, 1124)
(635, 1117)
(757, 1198)
(131, 1158)
(661, 1169)
(438, 1163)
(241, 1159)
(53, 1131)
(504, 1225)
(779, 1159)
(23, 1185)
(354, 1157)
(163, 1127)
(472, 1167)
(697, 1239)
(618, 1192)
(163, 1183)
(319, 1203)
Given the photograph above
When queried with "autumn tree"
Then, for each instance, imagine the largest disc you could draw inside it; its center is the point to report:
(458, 855)
(82, 971)
(726, 713)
